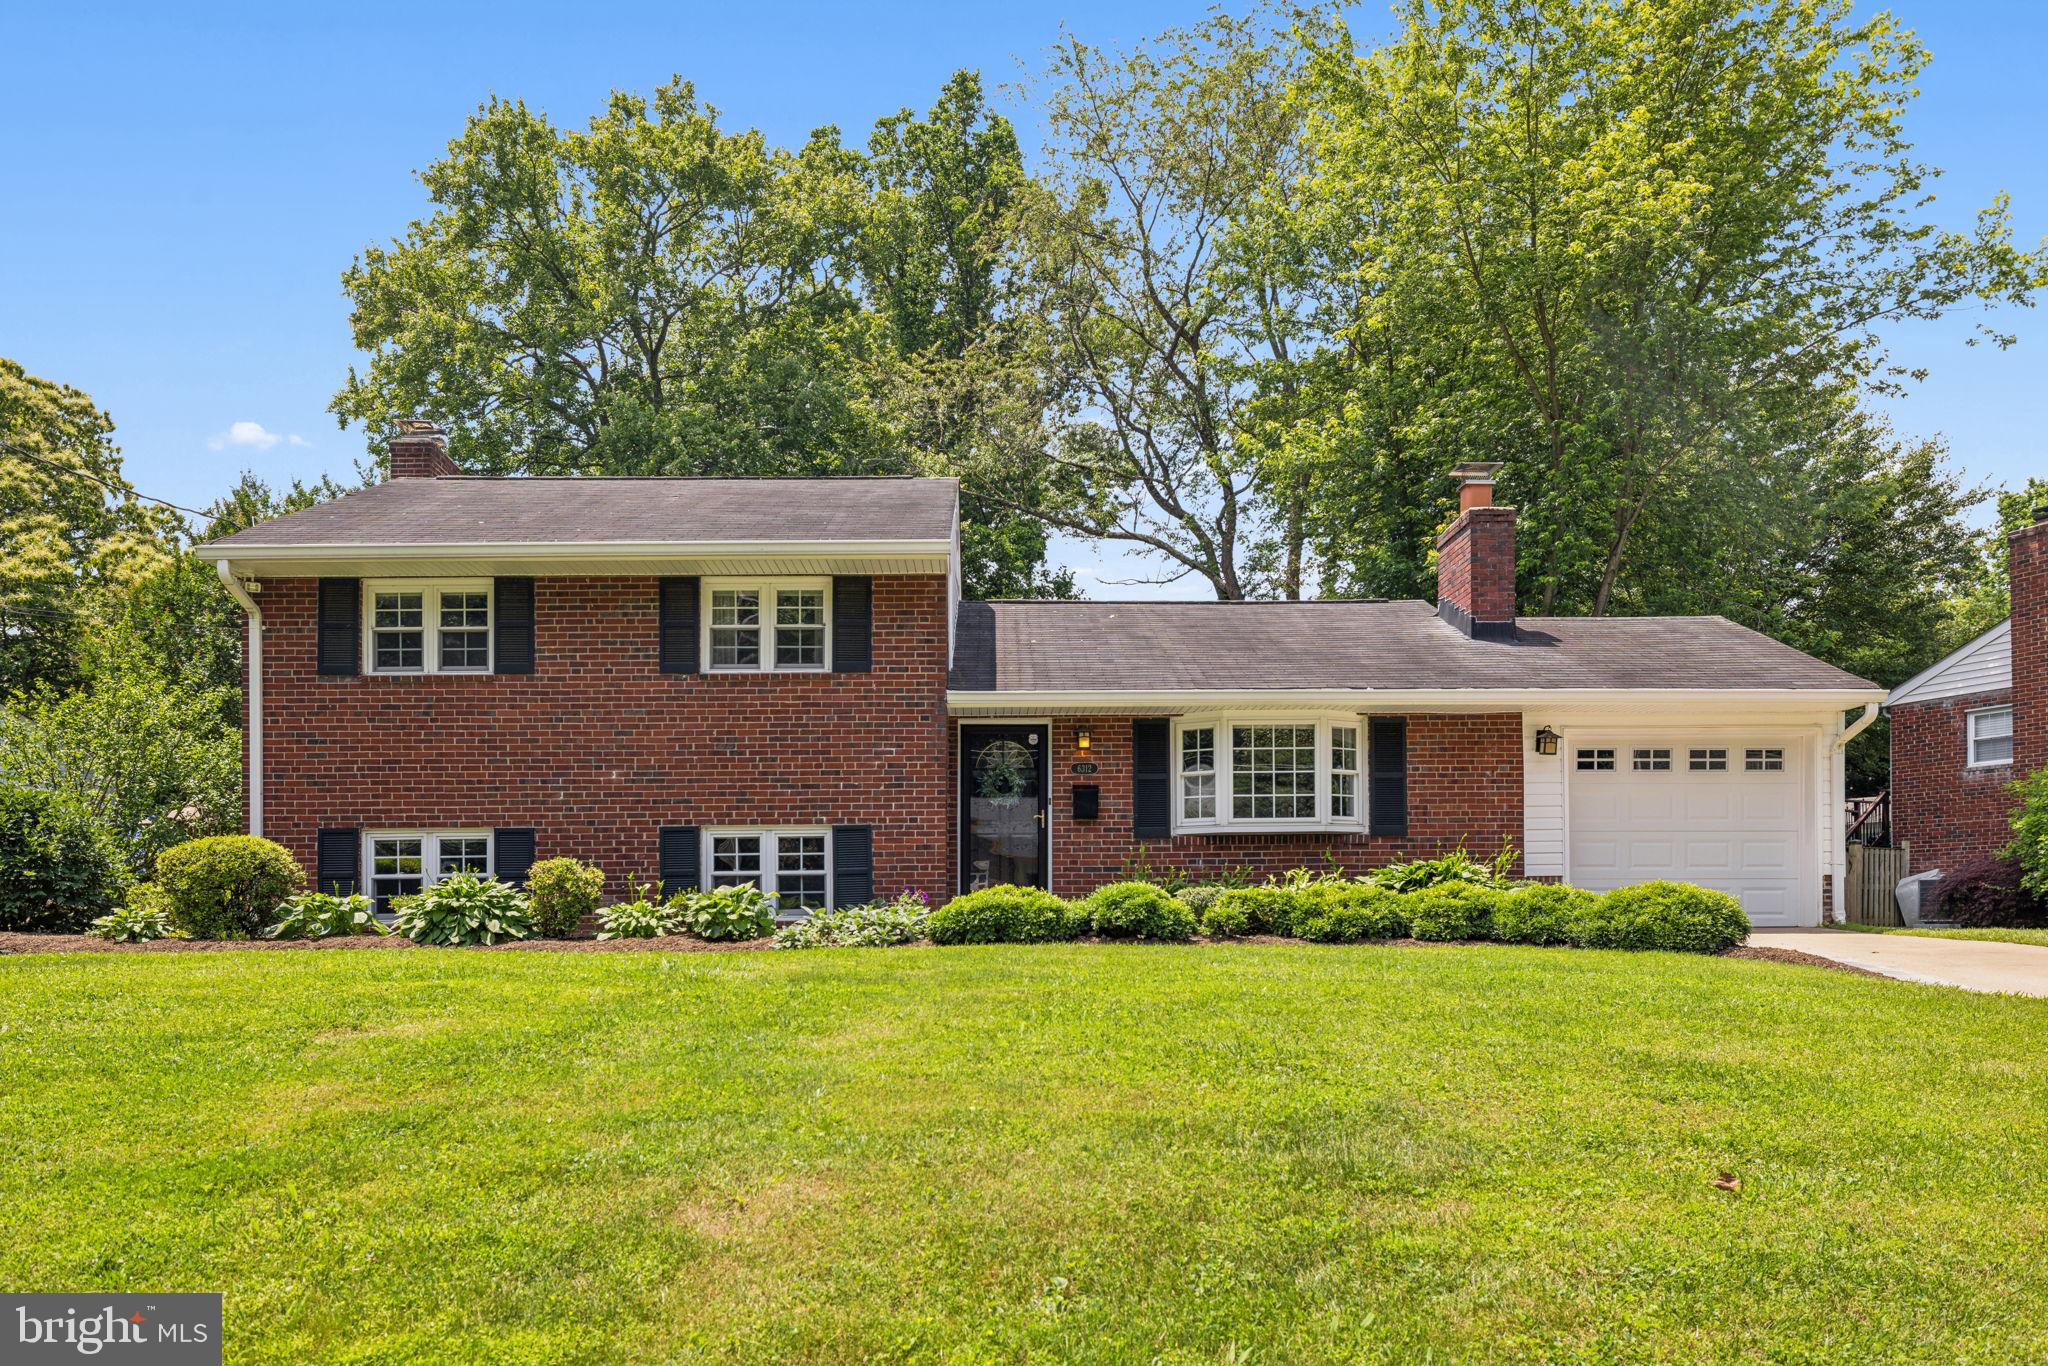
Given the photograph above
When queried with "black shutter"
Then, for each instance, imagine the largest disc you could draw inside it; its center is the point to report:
(338, 862)
(341, 626)
(852, 624)
(512, 853)
(679, 626)
(681, 856)
(1151, 785)
(1387, 774)
(512, 625)
(853, 865)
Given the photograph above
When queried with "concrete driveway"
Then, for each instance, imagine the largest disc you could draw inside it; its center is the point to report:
(1973, 964)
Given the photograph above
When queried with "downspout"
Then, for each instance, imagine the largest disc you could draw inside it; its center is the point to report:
(241, 595)
(1836, 800)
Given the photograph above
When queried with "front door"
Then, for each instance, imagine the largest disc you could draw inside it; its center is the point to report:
(1002, 806)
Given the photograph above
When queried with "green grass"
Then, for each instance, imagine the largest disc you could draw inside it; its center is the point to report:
(1252, 1152)
(2003, 936)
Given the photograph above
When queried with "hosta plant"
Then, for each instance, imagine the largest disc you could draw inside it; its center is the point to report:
(321, 915)
(464, 909)
(639, 919)
(145, 915)
(727, 914)
(878, 924)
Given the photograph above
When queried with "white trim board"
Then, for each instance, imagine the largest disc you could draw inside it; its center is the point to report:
(1984, 665)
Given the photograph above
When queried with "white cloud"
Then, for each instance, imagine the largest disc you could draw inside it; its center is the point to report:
(253, 435)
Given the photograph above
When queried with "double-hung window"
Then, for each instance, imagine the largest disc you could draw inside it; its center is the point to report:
(427, 628)
(403, 861)
(792, 865)
(1274, 773)
(754, 627)
(1990, 737)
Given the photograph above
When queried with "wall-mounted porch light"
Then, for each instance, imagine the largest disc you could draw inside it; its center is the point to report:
(1546, 741)
(1084, 739)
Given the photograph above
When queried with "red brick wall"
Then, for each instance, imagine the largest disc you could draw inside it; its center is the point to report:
(1475, 559)
(598, 749)
(1950, 813)
(1464, 783)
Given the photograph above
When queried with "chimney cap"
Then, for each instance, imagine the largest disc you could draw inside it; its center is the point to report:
(1476, 471)
(420, 426)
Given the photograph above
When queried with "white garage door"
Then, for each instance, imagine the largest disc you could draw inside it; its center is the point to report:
(1724, 814)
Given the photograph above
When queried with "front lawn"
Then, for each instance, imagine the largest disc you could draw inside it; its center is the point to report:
(1251, 1152)
(2003, 936)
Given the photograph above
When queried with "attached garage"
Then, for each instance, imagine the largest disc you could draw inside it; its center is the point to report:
(1736, 814)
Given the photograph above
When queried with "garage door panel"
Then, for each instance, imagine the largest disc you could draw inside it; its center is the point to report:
(1741, 831)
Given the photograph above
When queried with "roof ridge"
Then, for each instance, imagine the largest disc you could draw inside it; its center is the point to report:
(692, 478)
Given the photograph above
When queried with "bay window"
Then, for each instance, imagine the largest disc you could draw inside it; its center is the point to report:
(1272, 773)
(764, 627)
(791, 865)
(424, 628)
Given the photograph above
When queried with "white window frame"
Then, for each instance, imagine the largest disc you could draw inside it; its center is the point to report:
(1970, 737)
(1225, 752)
(430, 853)
(768, 588)
(770, 837)
(430, 591)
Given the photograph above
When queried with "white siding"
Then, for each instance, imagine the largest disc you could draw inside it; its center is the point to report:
(1984, 665)
(1542, 803)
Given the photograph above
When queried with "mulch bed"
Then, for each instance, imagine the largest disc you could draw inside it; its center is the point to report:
(85, 943)
(1811, 960)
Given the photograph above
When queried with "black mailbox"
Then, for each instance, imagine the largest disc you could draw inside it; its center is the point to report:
(1087, 802)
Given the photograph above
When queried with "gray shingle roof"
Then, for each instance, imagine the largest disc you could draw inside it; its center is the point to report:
(1226, 646)
(469, 510)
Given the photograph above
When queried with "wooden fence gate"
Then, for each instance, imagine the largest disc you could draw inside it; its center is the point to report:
(1874, 873)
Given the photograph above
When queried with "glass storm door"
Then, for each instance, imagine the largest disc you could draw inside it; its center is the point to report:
(1002, 806)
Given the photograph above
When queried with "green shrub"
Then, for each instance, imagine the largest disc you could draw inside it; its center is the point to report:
(1456, 866)
(145, 915)
(2029, 846)
(463, 908)
(227, 886)
(56, 872)
(1675, 916)
(727, 915)
(320, 915)
(879, 924)
(1542, 913)
(1347, 912)
(1226, 921)
(641, 919)
(563, 891)
(1138, 910)
(1451, 910)
(1200, 897)
(1267, 910)
(1006, 915)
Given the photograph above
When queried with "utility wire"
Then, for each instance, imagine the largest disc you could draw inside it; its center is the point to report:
(124, 491)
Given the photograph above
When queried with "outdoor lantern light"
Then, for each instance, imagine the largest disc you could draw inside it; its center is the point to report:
(1546, 741)
(1083, 740)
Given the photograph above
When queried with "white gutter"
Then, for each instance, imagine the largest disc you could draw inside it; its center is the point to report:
(1197, 699)
(592, 550)
(1857, 727)
(241, 594)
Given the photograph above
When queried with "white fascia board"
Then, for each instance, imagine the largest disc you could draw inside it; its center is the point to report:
(594, 550)
(1413, 699)
(1920, 681)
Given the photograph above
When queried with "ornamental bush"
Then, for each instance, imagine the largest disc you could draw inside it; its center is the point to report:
(463, 908)
(1200, 897)
(1006, 915)
(726, 915)
(1987, 893)
(1266, 910)
(879, 924)
(2029, 847)
(563, 891)
(640, 919)
(145, 915)
(56, 872)
(1541, 913)
(1347, 912)
(1451, 910)
(1224, 921)
(1455, 866)
(322, 915)
(1675, 916)
(1138, 910)
(227, 886)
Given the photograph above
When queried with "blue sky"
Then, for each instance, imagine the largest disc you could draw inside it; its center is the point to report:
(185, 184)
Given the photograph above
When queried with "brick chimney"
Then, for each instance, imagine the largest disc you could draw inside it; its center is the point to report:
(1475, 559)
(2029, 564)
(420, 451)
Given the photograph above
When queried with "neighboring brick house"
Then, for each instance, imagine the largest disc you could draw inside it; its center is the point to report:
(702, 681)
(1962, 730)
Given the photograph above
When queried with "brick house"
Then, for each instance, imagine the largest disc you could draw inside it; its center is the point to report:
(704, 681)
(1965, 728)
